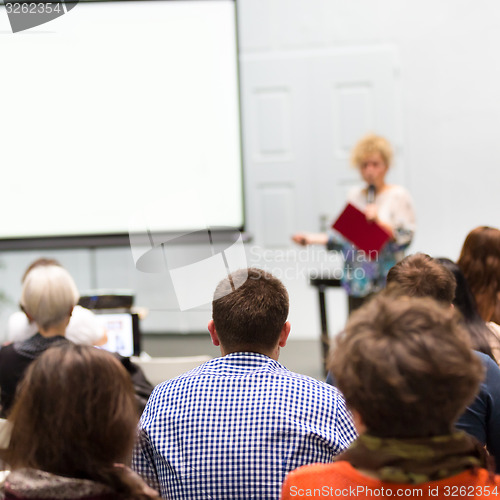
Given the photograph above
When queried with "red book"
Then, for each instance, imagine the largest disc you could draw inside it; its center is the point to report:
(366, 235)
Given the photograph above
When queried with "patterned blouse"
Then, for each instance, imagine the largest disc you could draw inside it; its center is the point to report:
(366, 273)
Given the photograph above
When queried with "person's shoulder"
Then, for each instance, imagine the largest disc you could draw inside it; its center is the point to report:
(314, 469)
(355, 194)
(486, 483)
(310, 387)
(483, 357)
(494, 328)
(84, 327)
(301, 378)
(318, 475)
(195, 376)
(488, 363)
(82, 313)
(18, 319)
(11, 359)
(19, 328)
(397, 191)
(491, 382)
(187, 386)
(33, 483)
(6, 350)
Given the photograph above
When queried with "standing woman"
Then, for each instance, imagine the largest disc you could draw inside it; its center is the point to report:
(480, 263)
(389, 205)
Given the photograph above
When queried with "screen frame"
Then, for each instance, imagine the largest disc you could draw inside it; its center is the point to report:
(136, 332)
(120, 239)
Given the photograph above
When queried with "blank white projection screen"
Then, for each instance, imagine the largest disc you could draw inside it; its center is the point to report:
(119, 116)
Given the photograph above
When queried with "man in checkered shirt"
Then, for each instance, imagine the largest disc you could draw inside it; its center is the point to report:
(233, 427)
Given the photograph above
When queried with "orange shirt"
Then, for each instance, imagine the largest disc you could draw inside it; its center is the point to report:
(340, 479)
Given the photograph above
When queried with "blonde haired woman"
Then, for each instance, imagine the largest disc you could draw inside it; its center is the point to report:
(48, 297)
(389, 205)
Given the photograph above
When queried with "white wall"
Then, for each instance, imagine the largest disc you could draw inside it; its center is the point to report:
(315, 75)
(446, 78)
(425, 74)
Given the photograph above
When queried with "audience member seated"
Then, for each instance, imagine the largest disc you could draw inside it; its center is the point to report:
(407, 371)
(233, 427)
(48, 297)
(83, 327)
(422, 276)
(73, 429)
(481, 336)
(480, 262)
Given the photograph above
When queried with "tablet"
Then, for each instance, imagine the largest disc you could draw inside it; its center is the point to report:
(122, 330)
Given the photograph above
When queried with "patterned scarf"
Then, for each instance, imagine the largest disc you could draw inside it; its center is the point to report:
(417, 460)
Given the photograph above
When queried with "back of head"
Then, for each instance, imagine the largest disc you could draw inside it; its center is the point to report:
(464, 301)
(249, 310)
(420, 275)
(75, 414)
(405, 365)
(42, 261)
(480, 262)
(48, 295)
(368, 145)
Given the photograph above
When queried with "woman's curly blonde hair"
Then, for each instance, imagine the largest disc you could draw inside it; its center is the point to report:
(369, 144)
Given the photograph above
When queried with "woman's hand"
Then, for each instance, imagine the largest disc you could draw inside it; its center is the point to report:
(371, 215)
(305, 239)
(371, 212)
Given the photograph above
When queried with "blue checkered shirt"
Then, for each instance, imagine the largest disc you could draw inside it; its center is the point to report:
(235, 426)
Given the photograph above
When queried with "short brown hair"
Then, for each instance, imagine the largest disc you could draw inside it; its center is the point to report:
(249, 310)
(368, 145)
(480, 262)
(75, 415)
(406, 365)
(420, 275)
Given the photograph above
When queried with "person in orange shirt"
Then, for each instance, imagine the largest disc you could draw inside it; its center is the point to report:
(407, 371)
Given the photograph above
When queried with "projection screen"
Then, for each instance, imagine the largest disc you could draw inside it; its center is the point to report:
(121, 116)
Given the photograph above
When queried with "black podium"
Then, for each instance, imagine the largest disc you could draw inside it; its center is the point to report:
(322, 282)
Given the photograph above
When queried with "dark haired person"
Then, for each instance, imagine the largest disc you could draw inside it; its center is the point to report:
(480, 262)
(407, 371)
(233, 427)
(420, 275)
(482, 338)
(73, 429)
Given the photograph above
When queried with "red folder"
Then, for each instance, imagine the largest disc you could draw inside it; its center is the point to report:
(366, 235)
